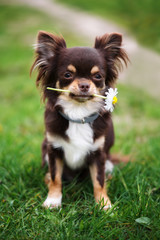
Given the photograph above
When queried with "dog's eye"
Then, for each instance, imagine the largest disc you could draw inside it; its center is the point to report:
(97, 76)
(68, 75)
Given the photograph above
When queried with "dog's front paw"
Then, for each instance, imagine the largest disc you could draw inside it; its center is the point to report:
(107, 205)
(52, 202)
(105, 202)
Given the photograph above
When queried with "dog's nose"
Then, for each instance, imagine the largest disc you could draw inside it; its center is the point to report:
(84, 87)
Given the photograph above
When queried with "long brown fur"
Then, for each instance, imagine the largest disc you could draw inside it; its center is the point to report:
(83, 71)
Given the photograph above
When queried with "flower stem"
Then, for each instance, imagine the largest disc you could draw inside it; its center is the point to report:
(100, 96)
(58, 90)
(62, 90)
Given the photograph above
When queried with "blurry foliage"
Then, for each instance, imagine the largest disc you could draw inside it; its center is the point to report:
(140, 17)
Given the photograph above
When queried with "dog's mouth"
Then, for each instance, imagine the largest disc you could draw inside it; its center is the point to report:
(81, 97)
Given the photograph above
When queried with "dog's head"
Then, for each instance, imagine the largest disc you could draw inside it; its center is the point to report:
(82, 70)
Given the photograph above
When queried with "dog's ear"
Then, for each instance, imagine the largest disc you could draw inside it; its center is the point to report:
(110, 45)
(47, 47)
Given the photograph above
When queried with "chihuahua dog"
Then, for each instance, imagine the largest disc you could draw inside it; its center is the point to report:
(78, 130)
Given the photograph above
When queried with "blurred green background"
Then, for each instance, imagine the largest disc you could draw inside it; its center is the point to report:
(134, 189)
(139, 17)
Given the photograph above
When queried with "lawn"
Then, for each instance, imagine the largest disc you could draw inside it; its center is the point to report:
(134, 188)
(141, 18)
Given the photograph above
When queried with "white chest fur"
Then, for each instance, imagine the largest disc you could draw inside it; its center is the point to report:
(79, 145)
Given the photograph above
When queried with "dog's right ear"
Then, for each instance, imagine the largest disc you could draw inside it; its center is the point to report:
(110, 45)
(47, 47)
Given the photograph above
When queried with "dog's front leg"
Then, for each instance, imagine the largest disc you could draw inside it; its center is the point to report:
(54, 197)
(97, 172)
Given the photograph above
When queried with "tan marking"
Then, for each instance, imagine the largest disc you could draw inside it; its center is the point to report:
(74, 87)
(99, 143)
(99, 192)
(57, 85)
(71, 68)
(55, 187)
(94, 70)
(47, 178)
(50, 137)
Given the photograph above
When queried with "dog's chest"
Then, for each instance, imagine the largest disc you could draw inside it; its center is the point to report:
(79, 145)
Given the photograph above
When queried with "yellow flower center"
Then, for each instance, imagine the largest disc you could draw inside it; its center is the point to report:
(114, 100)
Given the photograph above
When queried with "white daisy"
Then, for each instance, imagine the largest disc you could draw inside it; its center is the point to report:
(111, 99)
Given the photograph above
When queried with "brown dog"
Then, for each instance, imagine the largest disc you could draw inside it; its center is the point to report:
(79, 131)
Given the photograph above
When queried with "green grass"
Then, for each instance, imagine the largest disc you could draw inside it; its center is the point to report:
(141, 18)
(133, 189)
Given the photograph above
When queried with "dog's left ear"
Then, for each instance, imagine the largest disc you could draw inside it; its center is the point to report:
(47, 49)
(110, 45)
